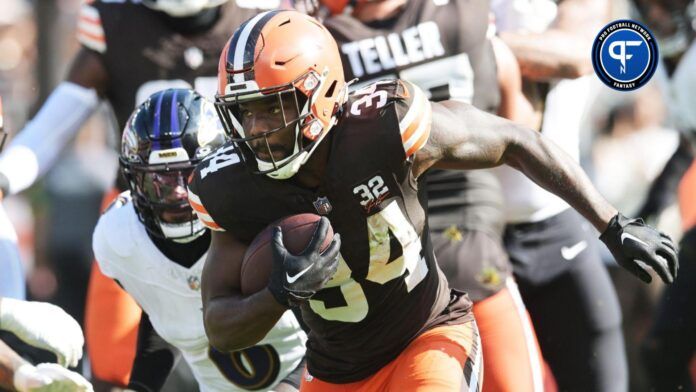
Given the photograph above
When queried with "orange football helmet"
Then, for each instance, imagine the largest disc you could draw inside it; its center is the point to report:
(271, 55)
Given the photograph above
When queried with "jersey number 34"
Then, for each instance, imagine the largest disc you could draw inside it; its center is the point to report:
(410, 265)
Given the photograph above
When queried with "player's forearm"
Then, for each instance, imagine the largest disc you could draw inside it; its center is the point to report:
(551, 54)
(39, 144)
(554, 170)
(9, 362)
(235, 322)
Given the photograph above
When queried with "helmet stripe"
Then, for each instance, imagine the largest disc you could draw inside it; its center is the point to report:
(245, 45)
(156, 130)
(239, 48)
(174, 126)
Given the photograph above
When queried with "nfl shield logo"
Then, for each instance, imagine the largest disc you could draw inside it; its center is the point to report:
(194, 283)
(322, 205)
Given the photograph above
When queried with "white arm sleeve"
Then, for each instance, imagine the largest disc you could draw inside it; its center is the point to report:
(38, 145)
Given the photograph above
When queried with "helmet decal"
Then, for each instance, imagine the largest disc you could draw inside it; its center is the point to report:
(241, 56)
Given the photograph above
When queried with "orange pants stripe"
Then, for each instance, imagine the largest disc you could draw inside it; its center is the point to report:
(512, 357)
(687, 202)
(443, 359)
(687, 205)
(111, 325)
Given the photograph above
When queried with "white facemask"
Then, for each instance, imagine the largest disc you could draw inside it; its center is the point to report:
(181, 232)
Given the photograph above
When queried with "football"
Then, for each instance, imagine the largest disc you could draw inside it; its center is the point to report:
(258, 259)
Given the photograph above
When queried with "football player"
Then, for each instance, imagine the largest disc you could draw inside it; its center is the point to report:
(451, 57)
(47, 327)
(130, 49)
(561, 276)
(669, 350)
(151, 242)
(381, 314)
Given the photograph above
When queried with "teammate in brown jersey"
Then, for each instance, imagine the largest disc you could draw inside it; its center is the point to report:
(380, 312)
(130, 49)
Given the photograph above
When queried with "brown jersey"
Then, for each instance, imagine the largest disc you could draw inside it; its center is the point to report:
(143, 54)
(442, 47)
(388, 287)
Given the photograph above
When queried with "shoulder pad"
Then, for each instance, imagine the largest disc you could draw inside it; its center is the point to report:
(201, 212)
(223, 158)
(411, 106)
(114, 233)
(122, 199)
(415, 117)
(370, 100)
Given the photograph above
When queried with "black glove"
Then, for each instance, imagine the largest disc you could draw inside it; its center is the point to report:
(637, 246)
(296, 278)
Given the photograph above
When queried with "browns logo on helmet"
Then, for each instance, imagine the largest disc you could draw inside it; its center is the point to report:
(300, 80)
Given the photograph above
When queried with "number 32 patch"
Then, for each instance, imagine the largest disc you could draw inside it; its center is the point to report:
(372, 192)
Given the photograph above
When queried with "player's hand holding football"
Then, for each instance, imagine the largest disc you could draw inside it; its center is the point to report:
(49, 377)
(296, 278)
(44, 326)
(637, 246)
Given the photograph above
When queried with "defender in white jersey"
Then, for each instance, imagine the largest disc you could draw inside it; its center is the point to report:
(153, 245)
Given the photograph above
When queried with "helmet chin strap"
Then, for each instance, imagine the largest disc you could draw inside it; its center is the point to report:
(181, 232)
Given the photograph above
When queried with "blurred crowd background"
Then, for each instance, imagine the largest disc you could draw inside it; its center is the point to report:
(625, 145)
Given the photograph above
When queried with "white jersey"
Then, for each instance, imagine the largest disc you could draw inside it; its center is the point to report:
(565, 105)
(170, 294)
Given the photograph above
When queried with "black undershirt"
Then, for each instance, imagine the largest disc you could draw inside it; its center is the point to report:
(186, 255)
(155, 358)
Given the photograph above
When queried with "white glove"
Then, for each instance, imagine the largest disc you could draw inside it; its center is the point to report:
(49, 377)
(44, 326)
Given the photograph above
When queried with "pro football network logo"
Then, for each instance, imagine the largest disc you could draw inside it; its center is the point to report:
(624, 55)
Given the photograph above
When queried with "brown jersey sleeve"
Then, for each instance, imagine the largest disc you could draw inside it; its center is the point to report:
(90, 31)
(394, 104)
(203, 183)
(201, 212)
(415, 115)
